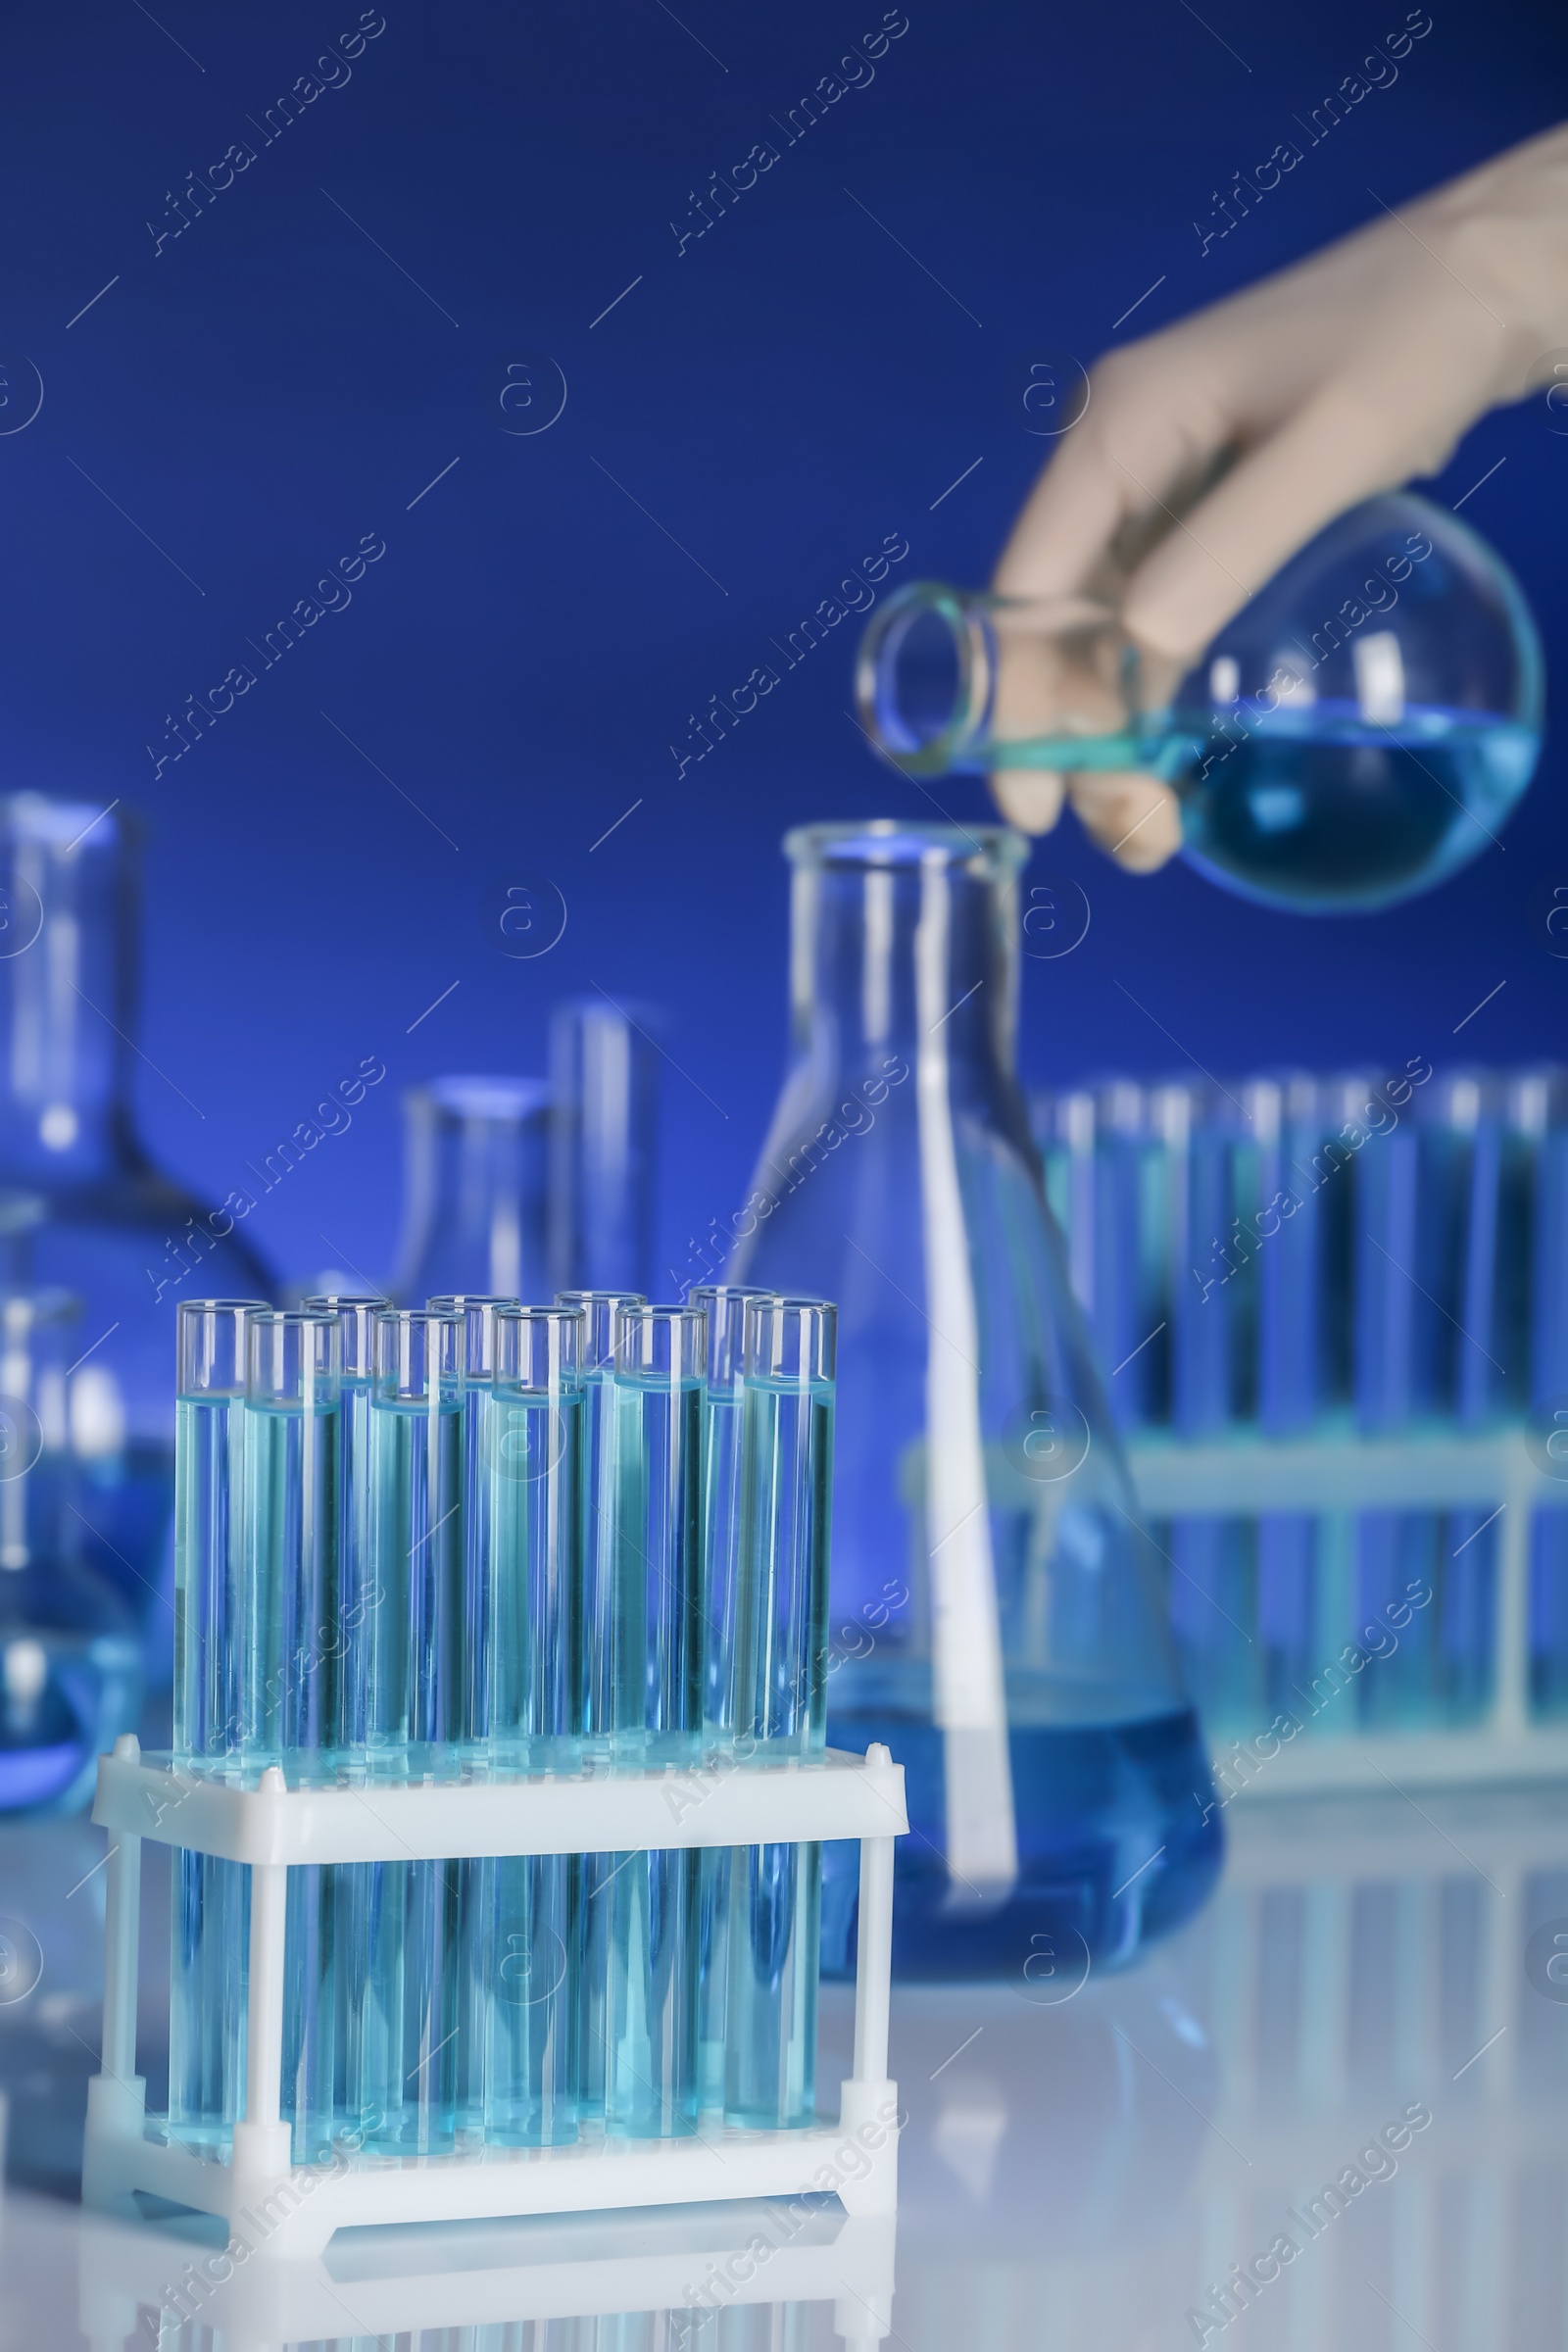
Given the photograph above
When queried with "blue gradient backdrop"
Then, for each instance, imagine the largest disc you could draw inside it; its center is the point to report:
(288, 374)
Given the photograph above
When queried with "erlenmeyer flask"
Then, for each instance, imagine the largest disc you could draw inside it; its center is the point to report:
(998, 1614)
(1356, 733)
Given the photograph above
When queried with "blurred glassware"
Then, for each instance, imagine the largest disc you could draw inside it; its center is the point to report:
(70, 1663)
(604, 1084)
(474, 1219)
(998, 1615)
(1357, 732)
(1371, 1266)
(82, 1206)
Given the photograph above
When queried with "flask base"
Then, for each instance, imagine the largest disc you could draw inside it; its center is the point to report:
(1119, 1843)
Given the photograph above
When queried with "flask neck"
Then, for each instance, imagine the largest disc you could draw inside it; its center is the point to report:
(904, 954)
(68, 990)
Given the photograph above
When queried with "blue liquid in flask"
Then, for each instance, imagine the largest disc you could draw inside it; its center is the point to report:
(1119, 1843)
(1323, 810)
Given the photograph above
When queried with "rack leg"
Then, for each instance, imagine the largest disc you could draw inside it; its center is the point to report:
(116, 2096)
(262, 2142)
(873, 1963)
(869, 2103)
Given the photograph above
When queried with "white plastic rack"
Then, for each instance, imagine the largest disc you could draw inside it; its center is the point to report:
(1437, 1470)
(293, 2210)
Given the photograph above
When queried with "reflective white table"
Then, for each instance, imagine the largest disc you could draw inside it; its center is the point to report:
(1084, 2166)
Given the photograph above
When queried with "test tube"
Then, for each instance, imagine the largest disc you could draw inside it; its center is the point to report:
(779, 1704)
(1402, 1370)
(211, 1925)
(478, 1315)
(292, 1651)
(410, 2067)
(595, 1708)
(724, 1304)
(1211, 1279)
(294, 1654)
(360, 1598)
(524, 1953)
(358, 1591)
(1544, 1107)
(646, 1684)
(1281, 1132)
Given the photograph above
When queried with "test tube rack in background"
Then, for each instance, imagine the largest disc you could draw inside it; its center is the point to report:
(498, 1782)
(1332, 1313)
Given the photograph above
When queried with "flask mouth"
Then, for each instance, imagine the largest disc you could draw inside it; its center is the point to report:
(485, 1098)
(925, 679)
(888, 841)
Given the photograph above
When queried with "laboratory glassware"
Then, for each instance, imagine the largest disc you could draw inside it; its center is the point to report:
(525, 1949)
(999, 1610)
(644, 1709)
(596, 1704)
(82, 1205)
(70, 1663)
(476, 1184)
(359, 1594)
(294, 1660)
(603, 1086)
(779, 1675)
(411, 2069)
(1357, 732)
(211, 1895)
(1101, 1165)
(725, 1305)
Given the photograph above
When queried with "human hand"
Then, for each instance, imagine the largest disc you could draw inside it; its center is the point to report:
(1211, 452)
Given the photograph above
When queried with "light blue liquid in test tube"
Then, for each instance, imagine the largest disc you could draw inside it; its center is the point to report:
(1282, 1128)
(725, 1305)
(779, 1705)
(210, 1923)
(294, 1664)
(596, 1701)
(525, 1959)
(646, 1666)
(359, 1599)
(409, 2064)
(473, 1633)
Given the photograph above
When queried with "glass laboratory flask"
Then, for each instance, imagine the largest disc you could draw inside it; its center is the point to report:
(474, 1191)
(1356, 734)
(82, 1206)
(603, 1134)
(70, 1664)
(996, 1611)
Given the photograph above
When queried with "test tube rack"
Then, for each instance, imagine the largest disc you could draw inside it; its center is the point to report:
(288, 2211)
(1445, 1469)
(592, 2267)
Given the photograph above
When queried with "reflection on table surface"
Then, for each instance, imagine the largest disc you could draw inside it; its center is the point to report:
(1336, 2105)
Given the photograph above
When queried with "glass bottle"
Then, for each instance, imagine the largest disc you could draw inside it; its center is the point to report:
(998, 1615)
(1356, 733)
(474, 1190)
(81, 1203)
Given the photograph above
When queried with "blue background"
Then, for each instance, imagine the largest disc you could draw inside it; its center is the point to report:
(272, 383)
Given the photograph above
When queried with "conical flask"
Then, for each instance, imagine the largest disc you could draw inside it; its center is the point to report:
(997, 1613)
(1359, 730)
